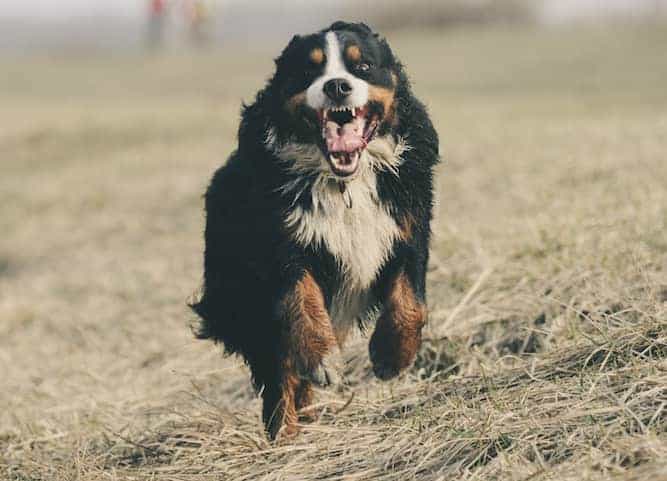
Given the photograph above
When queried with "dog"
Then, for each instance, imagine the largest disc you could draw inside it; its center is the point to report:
(320, 220)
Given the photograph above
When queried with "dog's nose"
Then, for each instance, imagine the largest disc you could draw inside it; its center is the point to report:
(337, 89)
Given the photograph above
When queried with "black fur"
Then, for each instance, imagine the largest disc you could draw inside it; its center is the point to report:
(250, 260)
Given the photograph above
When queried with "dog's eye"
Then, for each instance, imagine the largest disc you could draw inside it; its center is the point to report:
(363, 67)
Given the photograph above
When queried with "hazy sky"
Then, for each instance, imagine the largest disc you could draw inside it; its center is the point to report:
(61, 9)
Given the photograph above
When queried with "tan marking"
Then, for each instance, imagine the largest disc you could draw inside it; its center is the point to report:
(314, 333)
(405, 226)
(303, 399)
(316, 56)
(409, 313)
(353, 53)
(385, 96)
(397, 335)
(285, 415)
(295, 101)
(310, 338)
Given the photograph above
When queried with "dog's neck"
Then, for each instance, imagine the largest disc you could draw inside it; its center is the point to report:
(307, 165)
(350, 222)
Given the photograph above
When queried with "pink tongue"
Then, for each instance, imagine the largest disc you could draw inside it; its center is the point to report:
(348, 138)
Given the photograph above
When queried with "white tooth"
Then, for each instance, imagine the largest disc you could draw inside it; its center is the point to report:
(354, 112)
(326, 113)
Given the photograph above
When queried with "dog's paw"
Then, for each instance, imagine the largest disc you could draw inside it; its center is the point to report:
(384, 366)
(327, 372)
(392, 351)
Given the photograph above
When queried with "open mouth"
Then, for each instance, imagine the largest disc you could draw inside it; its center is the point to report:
(346, 131)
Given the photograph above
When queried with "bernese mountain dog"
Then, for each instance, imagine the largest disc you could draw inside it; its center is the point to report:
(320, 220)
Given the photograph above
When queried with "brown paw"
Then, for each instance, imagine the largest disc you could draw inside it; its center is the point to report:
(392, 350)
(310, 414)
(327, 372)
(287, 432)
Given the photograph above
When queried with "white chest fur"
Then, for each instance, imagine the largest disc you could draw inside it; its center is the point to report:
(353, 226)
(357, 231)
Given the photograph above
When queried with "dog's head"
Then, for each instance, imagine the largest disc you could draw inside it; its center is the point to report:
(336, 90)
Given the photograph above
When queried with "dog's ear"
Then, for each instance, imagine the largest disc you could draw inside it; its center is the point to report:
(365, 27)
(287, 50)
(359, 27)
(295, 39)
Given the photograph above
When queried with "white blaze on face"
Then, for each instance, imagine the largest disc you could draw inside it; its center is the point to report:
(335, 68)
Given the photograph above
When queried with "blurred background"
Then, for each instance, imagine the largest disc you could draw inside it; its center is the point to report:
(550, 229)
(97, 25)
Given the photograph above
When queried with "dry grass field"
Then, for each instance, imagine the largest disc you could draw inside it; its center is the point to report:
(546, 351)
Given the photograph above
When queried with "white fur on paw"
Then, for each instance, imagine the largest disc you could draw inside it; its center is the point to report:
(328, 372)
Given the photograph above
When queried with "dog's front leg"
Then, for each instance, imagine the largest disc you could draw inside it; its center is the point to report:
(309, 354)
(311, 341)
(397, 334)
